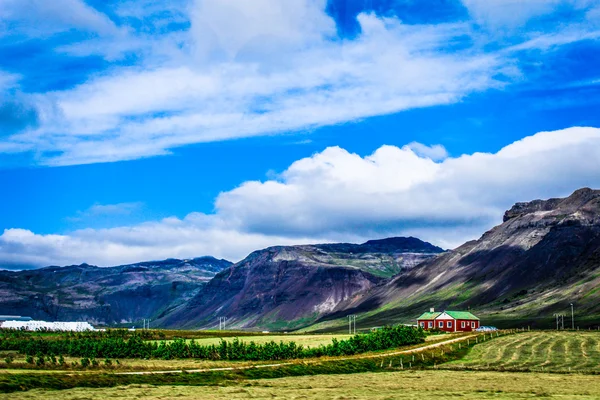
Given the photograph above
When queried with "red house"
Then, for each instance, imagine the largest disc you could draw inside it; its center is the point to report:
(449, 321)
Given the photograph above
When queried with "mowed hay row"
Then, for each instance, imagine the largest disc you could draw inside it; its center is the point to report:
(545, 351)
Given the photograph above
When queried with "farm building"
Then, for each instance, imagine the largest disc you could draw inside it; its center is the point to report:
(47, 326)
(449, 321)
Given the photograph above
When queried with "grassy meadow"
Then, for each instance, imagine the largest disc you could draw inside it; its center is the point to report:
(504, 365)
(549, 351)
(304, 340)
(420, 384)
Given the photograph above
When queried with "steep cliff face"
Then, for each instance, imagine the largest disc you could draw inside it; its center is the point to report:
(288, 287)
(545, 255)
(105, 295)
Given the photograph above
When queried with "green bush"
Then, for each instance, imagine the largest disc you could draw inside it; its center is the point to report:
(39, 361)
(136, 347)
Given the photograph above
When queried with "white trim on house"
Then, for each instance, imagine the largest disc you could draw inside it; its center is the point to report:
(450, 321)
(445, 316)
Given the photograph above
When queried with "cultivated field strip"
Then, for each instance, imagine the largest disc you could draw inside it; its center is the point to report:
(404, 385)
(382, 355)
(537, 351)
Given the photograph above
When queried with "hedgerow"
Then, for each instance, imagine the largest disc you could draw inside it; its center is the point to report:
(134, 346)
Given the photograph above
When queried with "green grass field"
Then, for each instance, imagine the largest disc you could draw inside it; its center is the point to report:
(378, 386)
(537, 351)
(305, 340)
(525, 365)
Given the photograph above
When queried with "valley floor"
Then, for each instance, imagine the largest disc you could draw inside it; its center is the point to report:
(505, 365)
(386, 385)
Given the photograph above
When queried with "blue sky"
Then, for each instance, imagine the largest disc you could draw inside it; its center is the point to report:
(142, 129)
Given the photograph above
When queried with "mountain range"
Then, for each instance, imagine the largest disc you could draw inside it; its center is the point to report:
(544, 256)
(105, 296)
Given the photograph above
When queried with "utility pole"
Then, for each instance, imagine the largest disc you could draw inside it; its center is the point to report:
(351, 324)
(572, 317)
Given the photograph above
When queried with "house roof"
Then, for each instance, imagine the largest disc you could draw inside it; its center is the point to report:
(462, 315)
(429, 315)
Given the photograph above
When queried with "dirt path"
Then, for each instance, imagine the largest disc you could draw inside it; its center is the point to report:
(379, 355)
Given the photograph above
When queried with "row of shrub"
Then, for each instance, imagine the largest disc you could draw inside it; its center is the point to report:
(47, 334)
(235, 350)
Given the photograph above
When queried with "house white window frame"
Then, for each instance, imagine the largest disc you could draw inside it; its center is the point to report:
(430, 325)
(448, 324)
(422, 324)
(462, 324)
(441, 324)
(473, 324)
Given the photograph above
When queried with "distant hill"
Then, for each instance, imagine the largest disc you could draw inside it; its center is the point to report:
(292, 286)
(112, 295)
(544, 256)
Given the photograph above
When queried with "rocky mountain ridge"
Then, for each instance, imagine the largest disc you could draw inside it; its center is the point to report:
(545, 255)
(112, 295)
(292, 286)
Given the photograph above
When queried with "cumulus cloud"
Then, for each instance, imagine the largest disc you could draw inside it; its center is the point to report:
(336, 195)
(396, 190)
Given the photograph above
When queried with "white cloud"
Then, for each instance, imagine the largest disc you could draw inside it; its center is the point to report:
(248, 68)
(335, 195)
(43, 17)
(396, 191)
(170, 238)
(262, 70)
(255, 29)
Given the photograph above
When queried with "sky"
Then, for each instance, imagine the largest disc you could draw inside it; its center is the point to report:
(135, 130)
